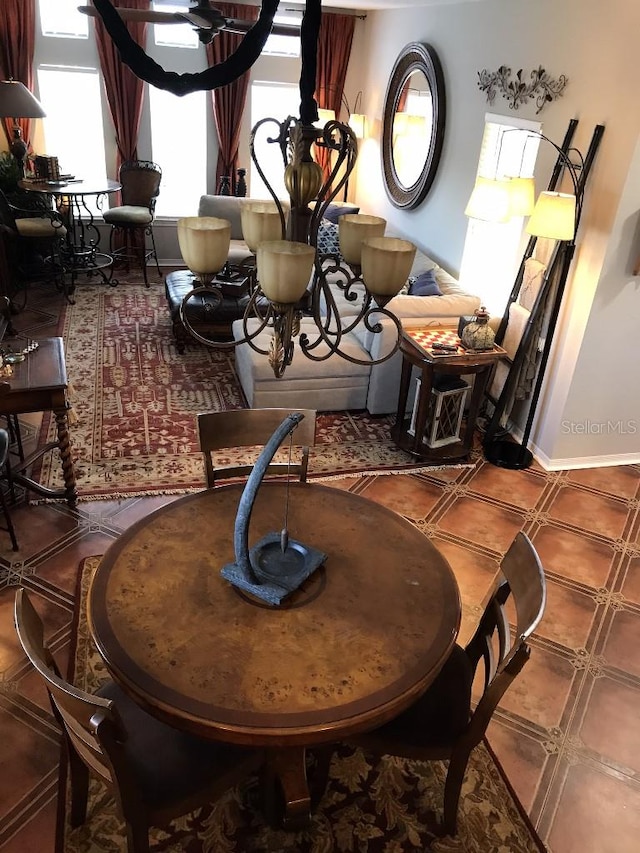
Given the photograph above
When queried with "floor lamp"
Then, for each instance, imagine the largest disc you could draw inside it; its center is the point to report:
(16, 102)
(555, 216)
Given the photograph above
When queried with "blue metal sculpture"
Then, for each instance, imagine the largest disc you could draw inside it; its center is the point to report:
(276, 566)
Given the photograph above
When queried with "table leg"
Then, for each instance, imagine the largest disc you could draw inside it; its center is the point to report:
(64, 445)
(286, 790)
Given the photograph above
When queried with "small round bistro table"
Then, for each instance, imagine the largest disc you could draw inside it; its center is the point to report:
(82, 248)
(354, 646)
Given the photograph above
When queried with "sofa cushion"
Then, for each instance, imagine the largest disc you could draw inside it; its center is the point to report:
(328, 242)
(224, 207)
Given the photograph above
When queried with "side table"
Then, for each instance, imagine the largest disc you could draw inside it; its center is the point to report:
(410, 432)
(39, 384)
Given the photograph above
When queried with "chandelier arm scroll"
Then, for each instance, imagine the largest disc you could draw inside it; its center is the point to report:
(250, 311)
(376, 327)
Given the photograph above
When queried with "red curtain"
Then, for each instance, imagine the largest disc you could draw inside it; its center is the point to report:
(229, 101)
(17, 47)
(124, 91)
(334, 50)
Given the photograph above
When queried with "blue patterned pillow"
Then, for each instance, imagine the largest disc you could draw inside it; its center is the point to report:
(328, 242)
(424, 285)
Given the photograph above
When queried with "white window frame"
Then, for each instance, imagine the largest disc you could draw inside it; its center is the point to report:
(492, 250)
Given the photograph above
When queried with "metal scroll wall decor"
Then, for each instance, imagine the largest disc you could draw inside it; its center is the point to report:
(540, 86)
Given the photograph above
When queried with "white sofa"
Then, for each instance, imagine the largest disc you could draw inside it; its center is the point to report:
(335, 383)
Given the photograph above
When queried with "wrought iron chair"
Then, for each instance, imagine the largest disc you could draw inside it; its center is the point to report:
(33, 240)
(441, 725)
(253, 428)
(132, 220)
(153, 771)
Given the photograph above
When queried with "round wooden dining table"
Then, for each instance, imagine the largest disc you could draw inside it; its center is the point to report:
(362, 638)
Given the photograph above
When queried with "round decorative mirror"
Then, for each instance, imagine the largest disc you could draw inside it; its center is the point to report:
(413, 125)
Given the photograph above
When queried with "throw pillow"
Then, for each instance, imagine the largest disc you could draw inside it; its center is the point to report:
(334, 211)
(328, 242)
(425, 285)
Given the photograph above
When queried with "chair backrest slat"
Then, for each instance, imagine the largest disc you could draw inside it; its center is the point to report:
(252, 428)
(140, 181)
(74, 708)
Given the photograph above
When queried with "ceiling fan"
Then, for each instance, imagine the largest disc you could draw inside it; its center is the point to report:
(203, 17)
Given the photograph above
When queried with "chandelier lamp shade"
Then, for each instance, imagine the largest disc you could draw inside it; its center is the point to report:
(272, 304)
(17, 102)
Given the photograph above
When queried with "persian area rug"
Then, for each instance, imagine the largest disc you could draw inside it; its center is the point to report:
(370, 806)
(135, 401)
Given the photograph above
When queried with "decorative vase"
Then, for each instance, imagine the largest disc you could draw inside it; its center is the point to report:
(478, 335)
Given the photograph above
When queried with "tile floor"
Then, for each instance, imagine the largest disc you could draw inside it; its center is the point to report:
(568, 731)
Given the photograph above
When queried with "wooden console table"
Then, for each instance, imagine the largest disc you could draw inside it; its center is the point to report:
(39, 384)
(409, 433)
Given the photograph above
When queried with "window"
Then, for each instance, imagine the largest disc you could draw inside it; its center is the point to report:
(491, 249)
(78, 143)
(270, 100)
(61, 18)
(284, 45)
(174, 35)
(178, 145)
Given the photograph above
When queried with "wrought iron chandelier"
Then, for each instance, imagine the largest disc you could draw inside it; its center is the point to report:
(289, 278)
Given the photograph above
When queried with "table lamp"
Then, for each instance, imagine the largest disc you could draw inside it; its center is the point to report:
(17, 102)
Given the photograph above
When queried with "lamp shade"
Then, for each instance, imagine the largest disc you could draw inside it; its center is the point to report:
(386, 264)
(16, 101)
(326, 115)
(357, 123)
(489, 200)
(204, 243)
(554, 216)
(521, 196)
(260, 222)
(284, 269)
(353, 228)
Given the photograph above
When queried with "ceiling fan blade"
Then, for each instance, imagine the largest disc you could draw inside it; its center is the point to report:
(238, 25)
(147, 15)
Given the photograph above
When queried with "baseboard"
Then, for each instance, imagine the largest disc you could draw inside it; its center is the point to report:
(575, 462)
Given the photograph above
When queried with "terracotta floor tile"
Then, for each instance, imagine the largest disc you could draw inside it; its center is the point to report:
(619, 740)
(590, 512)
(622, 641)
(130, 512)
(32, 757)
(570, 617)
(522, 758)
(622, 481)
(583, 560)
(596, 812)
(36, 526)
(520, 488)
(481, 523)
(61, 568)
(544, 691)
(631, 580)
(404, 495)
(38, 835)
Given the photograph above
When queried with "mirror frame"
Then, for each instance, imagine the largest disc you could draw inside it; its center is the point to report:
(415, 56)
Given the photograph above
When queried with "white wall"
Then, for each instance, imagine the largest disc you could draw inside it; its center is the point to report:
(594, 44)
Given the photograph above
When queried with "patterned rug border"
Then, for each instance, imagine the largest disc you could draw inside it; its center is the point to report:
(352, 444)
(450, 845)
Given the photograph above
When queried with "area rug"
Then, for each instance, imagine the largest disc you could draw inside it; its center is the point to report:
(377, 806)
(135, 401)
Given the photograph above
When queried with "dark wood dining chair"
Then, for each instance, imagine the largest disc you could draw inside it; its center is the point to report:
(441, 725)
(5, 473)
(253, 428)
(154, 772)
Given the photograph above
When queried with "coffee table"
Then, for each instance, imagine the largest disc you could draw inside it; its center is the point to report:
(364, 636)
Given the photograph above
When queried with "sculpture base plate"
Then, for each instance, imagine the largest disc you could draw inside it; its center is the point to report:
(277, 573)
